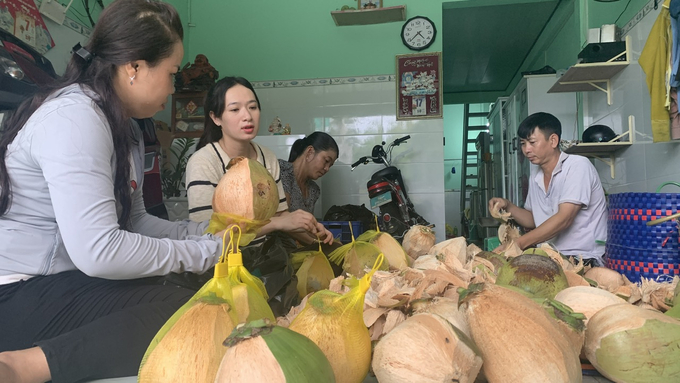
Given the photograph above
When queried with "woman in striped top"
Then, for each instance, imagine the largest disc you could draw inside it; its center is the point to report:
(232, 118)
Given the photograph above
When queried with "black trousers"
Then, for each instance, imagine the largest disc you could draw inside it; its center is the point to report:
(89, 328)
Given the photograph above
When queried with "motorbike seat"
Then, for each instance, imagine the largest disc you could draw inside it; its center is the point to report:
(390, 172)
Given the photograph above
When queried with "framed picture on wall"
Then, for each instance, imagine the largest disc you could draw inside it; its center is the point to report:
(419, 86)
(369, 4)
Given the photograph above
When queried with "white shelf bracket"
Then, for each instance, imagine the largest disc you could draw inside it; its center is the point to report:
(606, 90)
(610, 162)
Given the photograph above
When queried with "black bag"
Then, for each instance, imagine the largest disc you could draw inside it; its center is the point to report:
(351, 213)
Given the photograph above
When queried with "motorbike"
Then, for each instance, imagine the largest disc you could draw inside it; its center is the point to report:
(387, 192)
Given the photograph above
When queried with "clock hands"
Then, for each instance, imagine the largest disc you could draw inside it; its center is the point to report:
(421, 36)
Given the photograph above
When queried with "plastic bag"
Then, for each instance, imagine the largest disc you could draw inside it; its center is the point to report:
(271, 263)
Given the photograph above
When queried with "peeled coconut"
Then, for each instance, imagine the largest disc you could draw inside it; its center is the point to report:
(626, 343)
(192, 349)
(393, 251)
(357, 256)
(454, 247)
(587, 300)
(518, 340)
(574, 279)
(246, 190)
(536, 274)
(263, 352)
(426, 348)
(607, 279)
(418, 240)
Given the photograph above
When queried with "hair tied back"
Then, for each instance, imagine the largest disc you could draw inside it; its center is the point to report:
(83, 53)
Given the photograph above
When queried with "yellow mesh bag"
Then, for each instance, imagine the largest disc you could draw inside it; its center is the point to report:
(314, 273)
(335, 323)
(249, 227)
(188, 348)
(394, 253)
(356, 256)
(250, 295)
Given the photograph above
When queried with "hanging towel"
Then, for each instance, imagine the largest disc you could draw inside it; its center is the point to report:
(655, 61)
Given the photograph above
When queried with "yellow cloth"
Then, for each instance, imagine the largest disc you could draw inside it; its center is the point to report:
(655, 62)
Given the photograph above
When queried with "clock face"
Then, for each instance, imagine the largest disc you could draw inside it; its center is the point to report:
(418, 33)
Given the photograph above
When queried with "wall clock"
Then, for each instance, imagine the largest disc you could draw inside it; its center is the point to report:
(418, 33)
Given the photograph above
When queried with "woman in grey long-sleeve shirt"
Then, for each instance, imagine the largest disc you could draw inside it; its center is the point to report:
(76, 245)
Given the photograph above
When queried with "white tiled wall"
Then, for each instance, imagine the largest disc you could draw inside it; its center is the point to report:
(358, 116)
(645, 165)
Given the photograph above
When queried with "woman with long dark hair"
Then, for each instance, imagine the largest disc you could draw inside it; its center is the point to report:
(77, 249)
(310, 158)
(232, 120)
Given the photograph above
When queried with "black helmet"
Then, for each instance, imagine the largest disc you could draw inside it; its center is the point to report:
(598, 133)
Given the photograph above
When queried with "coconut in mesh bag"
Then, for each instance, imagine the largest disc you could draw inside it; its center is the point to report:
(335, 323)
(356, 256)
(188, 348)
(247, 196)
(394, 253)
(314, 273)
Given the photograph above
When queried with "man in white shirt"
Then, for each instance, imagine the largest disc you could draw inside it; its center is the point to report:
(566, 205)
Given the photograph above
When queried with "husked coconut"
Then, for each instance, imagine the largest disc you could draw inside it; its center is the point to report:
(518, 340)
(627, 343)
(454, 247)
(587, 300)
(607, 279)
(246, 190)
(426, 348)
(418, 240)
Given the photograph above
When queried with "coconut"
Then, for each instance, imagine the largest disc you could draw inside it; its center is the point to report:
(426, 348)
(496, 260)
(536, 274)
(191, 350)
(518, 340)
(605, 278)
(454, 247)
(574, 279)
(262, 352)
(246, 190)
(418, 240)
(314, 274)
(587, 300)
(335, 323)
(626, 343)
(393, 251)
(357, 256)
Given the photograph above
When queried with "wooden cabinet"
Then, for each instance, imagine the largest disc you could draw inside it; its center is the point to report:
(188, 114)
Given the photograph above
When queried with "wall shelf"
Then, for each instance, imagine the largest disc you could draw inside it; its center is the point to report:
(600, 149)
(369, 16)
(592, 76)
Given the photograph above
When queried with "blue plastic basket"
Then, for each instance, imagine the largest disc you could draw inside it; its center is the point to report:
(340, 229)
(636, 249)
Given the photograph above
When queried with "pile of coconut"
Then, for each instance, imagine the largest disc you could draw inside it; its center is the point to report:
(455, 313)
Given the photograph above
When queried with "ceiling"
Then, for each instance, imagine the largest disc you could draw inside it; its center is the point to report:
(485, 43)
